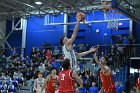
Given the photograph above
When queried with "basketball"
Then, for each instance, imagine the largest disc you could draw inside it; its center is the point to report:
(81, 14)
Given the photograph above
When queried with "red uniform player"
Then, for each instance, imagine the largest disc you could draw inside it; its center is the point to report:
(108, 85)
(50, 82)
(67, 78)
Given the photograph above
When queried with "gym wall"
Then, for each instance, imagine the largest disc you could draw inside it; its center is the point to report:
(38, 33)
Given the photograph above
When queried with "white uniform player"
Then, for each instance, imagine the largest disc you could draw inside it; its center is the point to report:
(70, 55)
(38, 84)
(67, 44)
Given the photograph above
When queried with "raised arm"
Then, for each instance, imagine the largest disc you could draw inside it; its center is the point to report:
(97, 61)
(73, 37)
(92, 49)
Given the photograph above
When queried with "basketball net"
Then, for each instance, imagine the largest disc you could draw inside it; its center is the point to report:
(112, 17)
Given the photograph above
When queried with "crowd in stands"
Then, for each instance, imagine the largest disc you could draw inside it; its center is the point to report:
(17, 69)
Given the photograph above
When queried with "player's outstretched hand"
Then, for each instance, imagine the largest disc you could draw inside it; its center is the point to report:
(94, 48)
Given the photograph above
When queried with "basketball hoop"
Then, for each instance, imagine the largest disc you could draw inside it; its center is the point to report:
(112, 17)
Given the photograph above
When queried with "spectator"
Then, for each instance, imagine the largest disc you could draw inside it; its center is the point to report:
(3, 61)
(1, 87)
(83, 79)
(4, 90)
(43, 54)
(125, 40)
(42, 68)
(28, 61)
(24, 70)
(112, 50)
(56, 53)
(11, 88)
(38, 52)
(3, 76)
(19, 74)
(30, 73)
(47, 72)
(8, 77)
(88, 71)
(33, 52)
(81, 48)
(2, 50)
(82, 72)
(22, 59)
(15, 82)
(48, 55)
(93, 89)
(80, 66)
(87, 82)
(119, 88)
(34, 58)
(82, 90)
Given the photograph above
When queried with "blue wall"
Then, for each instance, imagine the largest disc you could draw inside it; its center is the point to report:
(38, 33)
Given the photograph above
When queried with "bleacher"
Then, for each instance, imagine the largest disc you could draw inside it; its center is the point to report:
(86, 64)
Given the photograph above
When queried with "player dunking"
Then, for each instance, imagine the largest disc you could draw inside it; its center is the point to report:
(105, 75)
(67, 45)
(50, 82)
(67, 78)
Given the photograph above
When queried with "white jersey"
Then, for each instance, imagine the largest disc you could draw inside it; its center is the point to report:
(39, 84)
(70, 55)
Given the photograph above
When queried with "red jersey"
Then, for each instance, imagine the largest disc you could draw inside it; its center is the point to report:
(51, 85)
(138, 83)
(48, 55)
(66, 82)
(107, 83)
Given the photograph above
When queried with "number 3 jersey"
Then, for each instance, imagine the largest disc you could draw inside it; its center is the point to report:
(66, 82)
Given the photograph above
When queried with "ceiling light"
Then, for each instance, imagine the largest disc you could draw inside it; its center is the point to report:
(38, 3)
(120, 24)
